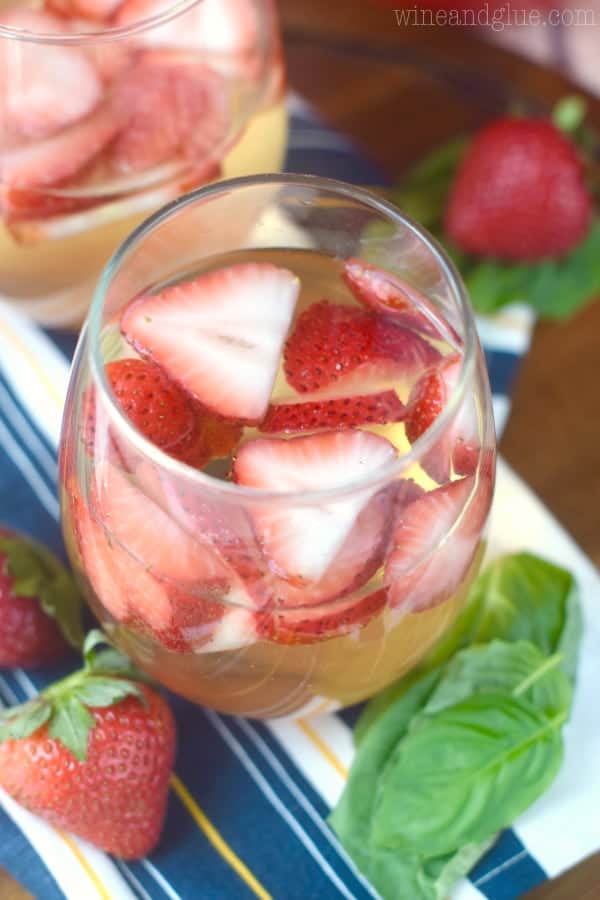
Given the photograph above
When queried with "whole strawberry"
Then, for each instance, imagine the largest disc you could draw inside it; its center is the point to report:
(93, 755)
(40, 606)
(519, 193)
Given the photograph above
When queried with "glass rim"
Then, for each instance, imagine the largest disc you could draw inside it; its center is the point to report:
(231, 490)
(102, 34)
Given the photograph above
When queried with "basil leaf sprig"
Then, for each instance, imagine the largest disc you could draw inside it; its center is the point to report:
(517, 597)
(462, 747)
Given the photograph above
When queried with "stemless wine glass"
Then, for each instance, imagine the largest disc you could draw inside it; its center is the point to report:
(178, 563)
(111, 108)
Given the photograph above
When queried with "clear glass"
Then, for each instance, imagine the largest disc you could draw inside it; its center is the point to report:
(108, 110)
(322, 655)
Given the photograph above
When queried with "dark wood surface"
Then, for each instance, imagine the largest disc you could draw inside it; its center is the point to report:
(399, 92)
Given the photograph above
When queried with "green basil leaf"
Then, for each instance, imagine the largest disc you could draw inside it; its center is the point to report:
(395, 875)
(25, 720)
(446, 871)
(517, 597)
(377, 706)
(38, 573)
(351, 816)
(96, 691)
(524, 597)
(518, 668)
(71, 724)
(465, 773)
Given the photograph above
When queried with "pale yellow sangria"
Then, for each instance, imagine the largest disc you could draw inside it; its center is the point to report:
(109, 109)
(278, 455)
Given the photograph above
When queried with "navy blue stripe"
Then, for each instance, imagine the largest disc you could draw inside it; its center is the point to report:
(333, 163)
(20, 506)
(6, 404)
(508, 870)
(241, 813)
(20, 859)
(502, 368)
(318, 833)
(64, 340)
(290, 767)
(351, 714)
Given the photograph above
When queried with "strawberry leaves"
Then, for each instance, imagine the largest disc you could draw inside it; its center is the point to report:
(37, 573)
(105, 679)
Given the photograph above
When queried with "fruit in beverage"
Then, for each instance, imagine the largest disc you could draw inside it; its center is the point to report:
(301, 539)
(220, 335)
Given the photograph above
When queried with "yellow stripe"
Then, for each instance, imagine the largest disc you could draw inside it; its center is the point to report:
(220, 845)
(30, 359)
(94, 878)
(326, 705)
(318, 742)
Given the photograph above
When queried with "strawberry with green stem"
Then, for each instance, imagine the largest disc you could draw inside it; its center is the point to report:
(93, 754)
(40, 605)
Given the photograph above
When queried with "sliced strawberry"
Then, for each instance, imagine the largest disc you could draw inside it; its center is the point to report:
(331, 342)
(435, 542)
(357, 561)
(234, 630)
(391, 296)
(110, 59)
(18, 205)
(302, 540)
(51, 162)
(122, 585)
(341, 412)
(180, 620)
(150, 535)
(94, 10)
(45, 87)
(307, 626)
(220, 335)
(155, 405)
(217, 26)
(172, 104)
(458, 447)
(223, 529)
(213, 438)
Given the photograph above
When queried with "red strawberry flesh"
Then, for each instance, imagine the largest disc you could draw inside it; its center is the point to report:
(303, 626)
(220, 335)
(142, 528)
(435, 542)
(46, 86)
(302, 540)
(341, 412)
(154, 404)
(170, 106)
(331, 343)
(390, 296)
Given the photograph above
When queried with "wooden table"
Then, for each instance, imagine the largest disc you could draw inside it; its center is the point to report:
(400, 92)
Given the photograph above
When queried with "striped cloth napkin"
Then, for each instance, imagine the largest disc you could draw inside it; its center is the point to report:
(249, 800)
